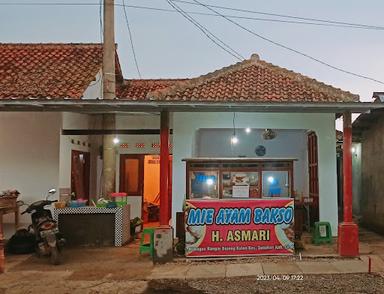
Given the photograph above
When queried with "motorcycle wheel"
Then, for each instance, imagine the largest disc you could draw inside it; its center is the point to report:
(55, 256)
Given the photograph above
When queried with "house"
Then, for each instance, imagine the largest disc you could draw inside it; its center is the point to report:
(368, 166)
(51, 114)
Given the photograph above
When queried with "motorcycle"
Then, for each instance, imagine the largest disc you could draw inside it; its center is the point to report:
(49, 241)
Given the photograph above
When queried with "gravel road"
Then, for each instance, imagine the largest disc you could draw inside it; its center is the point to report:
(336, 283)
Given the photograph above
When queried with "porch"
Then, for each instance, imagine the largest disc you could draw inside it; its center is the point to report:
(188, 130)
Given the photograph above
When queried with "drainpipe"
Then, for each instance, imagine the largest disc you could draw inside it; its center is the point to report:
(348, 231)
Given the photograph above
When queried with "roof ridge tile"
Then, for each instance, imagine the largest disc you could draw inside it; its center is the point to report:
(170, 91)
(197, 84)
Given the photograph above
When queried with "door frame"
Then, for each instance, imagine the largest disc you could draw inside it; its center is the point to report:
(141, 158)
(313, 176)
(140, 188)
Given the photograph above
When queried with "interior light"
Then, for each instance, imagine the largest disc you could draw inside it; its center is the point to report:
(271, 180)
(234, 140)
(209, 182)
(247, 130)
(116, 140)
(353, 149)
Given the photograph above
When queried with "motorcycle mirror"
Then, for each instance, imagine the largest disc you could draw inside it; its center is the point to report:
(50, 193)
(20, 203)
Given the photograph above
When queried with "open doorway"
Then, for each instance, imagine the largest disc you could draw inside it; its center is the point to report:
(80, 171)
(140, 179)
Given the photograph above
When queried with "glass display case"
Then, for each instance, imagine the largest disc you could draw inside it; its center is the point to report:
(239, 178)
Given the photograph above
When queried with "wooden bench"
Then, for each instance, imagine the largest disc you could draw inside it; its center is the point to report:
(2, 261)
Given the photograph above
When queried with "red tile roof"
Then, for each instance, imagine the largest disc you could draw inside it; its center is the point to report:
(57, 71)
(138, 89)
(47, 70)
(252, 80)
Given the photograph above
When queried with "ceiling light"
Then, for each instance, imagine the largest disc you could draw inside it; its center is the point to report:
(116, 140)
(234, 140)
(247, 130)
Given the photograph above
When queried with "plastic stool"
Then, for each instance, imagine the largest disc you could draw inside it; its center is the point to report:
(322, 233)
(147, 247)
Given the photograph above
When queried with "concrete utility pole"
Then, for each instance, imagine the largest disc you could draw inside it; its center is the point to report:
(109, 92)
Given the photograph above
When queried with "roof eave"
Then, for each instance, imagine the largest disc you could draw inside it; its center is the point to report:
(117, 105)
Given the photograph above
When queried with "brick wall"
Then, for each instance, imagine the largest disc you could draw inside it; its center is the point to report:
(372, 198)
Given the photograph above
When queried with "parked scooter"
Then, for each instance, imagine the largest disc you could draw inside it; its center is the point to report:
(49, 241)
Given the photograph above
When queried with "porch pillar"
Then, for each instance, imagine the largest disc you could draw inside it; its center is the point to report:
(164, 167)
(109, 156)
(348, 232)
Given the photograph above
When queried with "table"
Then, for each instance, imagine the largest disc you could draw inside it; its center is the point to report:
(12, 209)
(94, 226)
(2, 258)
(9, 204)
(5, 210)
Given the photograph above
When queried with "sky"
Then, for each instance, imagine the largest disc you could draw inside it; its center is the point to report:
(168, 46)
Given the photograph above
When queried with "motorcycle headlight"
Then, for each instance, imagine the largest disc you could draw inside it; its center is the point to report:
(47, 226)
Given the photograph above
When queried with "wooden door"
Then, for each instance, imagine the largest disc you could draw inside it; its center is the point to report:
(80, 172)
(132, 174)
(313, 169)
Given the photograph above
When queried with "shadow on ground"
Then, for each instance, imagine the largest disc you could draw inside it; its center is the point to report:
(171, 287)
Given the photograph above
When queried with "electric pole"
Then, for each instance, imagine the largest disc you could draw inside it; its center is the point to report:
(109, 92)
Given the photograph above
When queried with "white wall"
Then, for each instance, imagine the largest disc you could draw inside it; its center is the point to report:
(137, 121)
(29, 154)
(95, 88)
(184, 145)
(79, 143)
(287, 143)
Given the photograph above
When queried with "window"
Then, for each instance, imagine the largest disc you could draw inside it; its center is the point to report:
(239, 179)
(275, 184)
(204, 184)
(240, 184)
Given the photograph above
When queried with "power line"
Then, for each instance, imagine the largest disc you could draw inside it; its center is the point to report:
(289, 48)
(261, 19)
(131, 39)
(207, 33)
(310, 21)
(283, 15)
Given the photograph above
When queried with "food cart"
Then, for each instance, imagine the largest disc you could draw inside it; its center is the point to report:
(239, 206)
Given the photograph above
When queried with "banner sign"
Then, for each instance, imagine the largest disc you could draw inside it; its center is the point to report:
(239, 227)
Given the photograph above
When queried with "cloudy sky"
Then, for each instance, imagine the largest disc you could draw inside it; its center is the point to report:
(168, 46)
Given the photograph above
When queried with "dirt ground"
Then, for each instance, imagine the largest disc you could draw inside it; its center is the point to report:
(83, 270)
(123, 270)
(90, 263)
